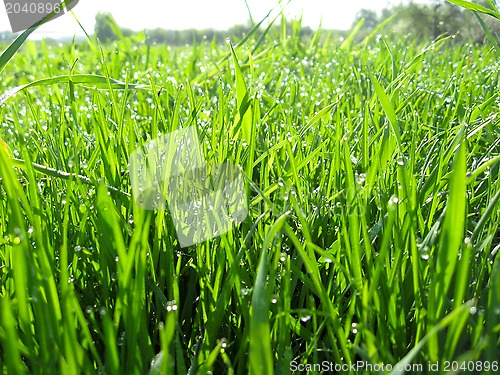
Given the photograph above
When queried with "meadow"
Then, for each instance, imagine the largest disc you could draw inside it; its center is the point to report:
(372, 176)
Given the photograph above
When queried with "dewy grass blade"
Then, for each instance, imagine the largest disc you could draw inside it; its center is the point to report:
(244, 102)
(475, 7)
(64, 175)
(399, 368)
(451, 239)
(389, 110)
(261, 354)
(91, 80)
(353, 213)
(487, 32)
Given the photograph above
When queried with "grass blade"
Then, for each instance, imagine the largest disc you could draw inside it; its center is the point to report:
(451, 238)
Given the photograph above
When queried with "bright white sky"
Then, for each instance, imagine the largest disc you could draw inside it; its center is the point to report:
(201, 14)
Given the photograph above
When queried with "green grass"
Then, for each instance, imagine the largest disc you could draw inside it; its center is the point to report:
(373, 189)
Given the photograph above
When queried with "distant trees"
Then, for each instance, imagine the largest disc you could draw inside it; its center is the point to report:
(428, 21)
(424, 21)
(107, 30)
(371, 18)
(189, 36)
(102, 29)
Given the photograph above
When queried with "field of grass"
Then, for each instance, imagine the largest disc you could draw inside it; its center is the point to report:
(372, 174)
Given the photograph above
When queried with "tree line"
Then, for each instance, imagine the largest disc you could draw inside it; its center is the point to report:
(423, 21)
(430, 21)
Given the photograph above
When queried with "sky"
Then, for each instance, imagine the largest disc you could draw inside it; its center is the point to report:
(201, 14)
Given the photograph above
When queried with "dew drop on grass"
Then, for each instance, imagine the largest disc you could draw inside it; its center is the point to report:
(393, 201)
(425, 252)
(304, 316)
(121, 338)
(171, 306)
(223, 343)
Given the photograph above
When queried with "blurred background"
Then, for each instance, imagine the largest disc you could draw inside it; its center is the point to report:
(179, 23)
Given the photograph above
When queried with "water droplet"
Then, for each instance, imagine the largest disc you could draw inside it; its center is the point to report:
(121, 338)
(223, 343)
(425, 252)
(304, 316)
(393, 201)
(171, 306)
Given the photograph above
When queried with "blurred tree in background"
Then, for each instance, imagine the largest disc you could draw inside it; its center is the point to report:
(423, 21)
(429, 21)
(102, 29)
